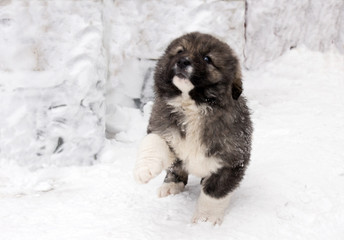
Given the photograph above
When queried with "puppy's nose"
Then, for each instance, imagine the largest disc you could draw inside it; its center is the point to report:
(183, 63)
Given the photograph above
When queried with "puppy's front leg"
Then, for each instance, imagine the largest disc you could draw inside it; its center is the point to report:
(175, 180)
(216, 193)
(154, 155)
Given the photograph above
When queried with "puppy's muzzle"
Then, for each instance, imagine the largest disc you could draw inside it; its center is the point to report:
(183, 63)
(183, 68)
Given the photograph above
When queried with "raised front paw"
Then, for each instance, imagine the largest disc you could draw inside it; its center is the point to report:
(154, 154)
(146, 170)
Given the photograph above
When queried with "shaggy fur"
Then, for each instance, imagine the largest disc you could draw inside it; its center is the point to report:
(208, 129)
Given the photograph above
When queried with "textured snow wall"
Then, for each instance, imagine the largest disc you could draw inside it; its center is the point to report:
(56, 55)
(273, 27)
(137, 33)
(52, 75)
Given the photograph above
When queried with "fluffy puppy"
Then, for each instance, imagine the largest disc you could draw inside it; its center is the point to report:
(199, 125)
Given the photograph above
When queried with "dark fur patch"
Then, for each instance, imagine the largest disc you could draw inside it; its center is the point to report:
(164, 119)
(224, 181)
(176, 173)
(236, 91)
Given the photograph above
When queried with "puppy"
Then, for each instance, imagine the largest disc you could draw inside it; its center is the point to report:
(199, 124)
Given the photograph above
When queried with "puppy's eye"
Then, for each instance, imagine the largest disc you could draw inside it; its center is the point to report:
(207, 59)
(180, 51)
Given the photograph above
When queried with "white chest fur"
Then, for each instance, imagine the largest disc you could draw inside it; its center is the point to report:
(190, 149)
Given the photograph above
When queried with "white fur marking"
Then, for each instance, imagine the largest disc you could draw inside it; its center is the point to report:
(183, 84)
(154, 155)
(170, 188)
(210, 209)
(190, 149)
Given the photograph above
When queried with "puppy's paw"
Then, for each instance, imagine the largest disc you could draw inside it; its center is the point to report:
(170, 188)
(210, 209)
(145, 171)
(153, 155)
(215, 219)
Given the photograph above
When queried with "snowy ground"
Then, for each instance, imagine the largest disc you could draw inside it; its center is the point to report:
(293, 188)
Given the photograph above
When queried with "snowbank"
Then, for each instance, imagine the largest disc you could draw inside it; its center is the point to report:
(52, 73)
(273, 27)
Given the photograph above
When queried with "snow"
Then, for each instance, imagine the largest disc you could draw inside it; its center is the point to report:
(293, 188)
(52, 77)
(276, 26)
(55, 57)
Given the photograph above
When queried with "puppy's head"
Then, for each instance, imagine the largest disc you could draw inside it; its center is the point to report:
(201, 66)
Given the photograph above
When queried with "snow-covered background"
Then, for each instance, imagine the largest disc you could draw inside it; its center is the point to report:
(273, 27)
(63, 63)
(52, 78)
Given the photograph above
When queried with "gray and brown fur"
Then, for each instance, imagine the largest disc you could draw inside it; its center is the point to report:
(226, 128)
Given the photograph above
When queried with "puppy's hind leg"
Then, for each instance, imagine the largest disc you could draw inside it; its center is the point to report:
(216, 193)
(210, 209)
(154, 155)
(175, 180)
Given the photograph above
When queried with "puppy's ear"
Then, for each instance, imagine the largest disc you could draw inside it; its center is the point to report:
(237, 86)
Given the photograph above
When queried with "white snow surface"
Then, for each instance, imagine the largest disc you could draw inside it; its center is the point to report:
(293, 188)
